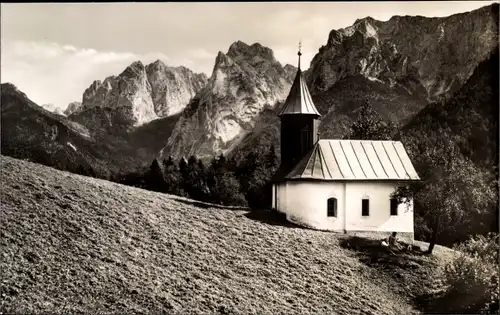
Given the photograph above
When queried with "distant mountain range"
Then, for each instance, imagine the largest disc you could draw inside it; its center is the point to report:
(122, 123)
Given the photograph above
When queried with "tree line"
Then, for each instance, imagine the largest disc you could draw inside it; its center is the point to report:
(222, 181)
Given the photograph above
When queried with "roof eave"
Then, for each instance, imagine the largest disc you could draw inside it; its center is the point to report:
(309, 178)
(295, 113)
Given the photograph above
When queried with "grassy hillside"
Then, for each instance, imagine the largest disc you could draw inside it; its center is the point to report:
(77, 244)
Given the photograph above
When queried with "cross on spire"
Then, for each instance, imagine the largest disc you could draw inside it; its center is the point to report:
(299, 53)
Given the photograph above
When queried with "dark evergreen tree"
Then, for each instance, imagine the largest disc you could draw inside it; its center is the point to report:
(371, 126)
(154, 177)
(172, 175)
(223, 187)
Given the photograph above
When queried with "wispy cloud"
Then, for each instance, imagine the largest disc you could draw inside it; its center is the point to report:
(58, 74)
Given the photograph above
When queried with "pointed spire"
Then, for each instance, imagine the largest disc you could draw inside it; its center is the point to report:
(299, 53)
(299, 99)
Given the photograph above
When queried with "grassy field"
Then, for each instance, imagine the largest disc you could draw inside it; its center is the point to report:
(74, 244)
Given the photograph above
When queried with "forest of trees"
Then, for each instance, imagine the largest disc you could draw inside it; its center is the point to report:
(223, 181)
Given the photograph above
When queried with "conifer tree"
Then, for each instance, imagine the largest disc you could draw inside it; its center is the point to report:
(370, 125)
(154, 177)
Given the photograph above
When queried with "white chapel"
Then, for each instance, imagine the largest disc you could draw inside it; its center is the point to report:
(338, 185)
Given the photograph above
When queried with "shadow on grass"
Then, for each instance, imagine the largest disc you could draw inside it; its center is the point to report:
(207, 205)
(266, 216)
(271, 217)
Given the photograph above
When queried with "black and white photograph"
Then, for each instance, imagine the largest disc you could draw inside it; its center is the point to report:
(249, 158)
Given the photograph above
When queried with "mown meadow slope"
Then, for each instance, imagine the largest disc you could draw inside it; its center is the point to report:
(75, 244)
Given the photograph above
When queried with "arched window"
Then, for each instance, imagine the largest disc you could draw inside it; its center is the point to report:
(332, 207)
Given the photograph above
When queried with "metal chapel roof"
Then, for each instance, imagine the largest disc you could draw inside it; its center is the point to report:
(355, 160)
(299, 99)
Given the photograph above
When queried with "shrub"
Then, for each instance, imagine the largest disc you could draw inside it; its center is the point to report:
(473, 275)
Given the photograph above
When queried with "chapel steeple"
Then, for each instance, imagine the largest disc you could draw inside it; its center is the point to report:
(299, 100)
(299, 121)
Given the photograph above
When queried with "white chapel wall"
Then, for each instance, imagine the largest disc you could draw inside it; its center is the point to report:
(379, 218)
(281, 195)
(306, 203)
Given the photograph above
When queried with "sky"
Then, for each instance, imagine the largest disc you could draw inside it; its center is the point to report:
(54, 51)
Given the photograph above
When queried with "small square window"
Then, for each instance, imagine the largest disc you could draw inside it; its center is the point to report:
(394, 206)
(365, 207)
(332, 207)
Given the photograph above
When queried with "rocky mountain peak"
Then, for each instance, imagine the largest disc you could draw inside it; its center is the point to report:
(222, 61)
(172, 87)
(240, 49)
(157, 65)
(244, 81)
(73, 107)
(142, 93)
(52, 108)
(237, 47)
(135, 70)
(367, 19)
(291, 71)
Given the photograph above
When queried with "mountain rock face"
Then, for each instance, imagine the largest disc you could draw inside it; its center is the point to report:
(52, 108)
(141, 93)
(73, 107)
(429, 57)
(172, 88)
(243, 82)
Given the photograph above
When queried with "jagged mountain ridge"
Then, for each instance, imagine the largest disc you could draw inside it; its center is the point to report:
(144, 93)
(244, 80)
(423, 55)
(340, 77)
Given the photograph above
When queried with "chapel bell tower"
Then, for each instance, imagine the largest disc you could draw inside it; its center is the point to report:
(299, 122)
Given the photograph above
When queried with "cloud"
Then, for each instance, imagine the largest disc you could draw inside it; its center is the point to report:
(59, 74)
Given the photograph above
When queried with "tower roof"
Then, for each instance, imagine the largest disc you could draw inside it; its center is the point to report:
(299, 99)
(355, 160)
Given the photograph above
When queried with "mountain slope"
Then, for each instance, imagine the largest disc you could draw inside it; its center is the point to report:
(400, 65)
(243, 82)
(76, 244)
(31, 132)
(470, 118)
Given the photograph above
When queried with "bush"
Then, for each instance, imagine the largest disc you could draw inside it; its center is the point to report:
(226, 191)
(473, 275)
